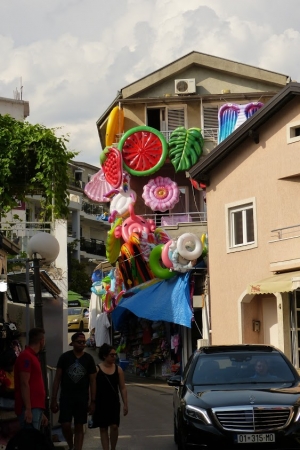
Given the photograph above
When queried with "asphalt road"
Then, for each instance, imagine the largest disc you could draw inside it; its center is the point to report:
(149, 423)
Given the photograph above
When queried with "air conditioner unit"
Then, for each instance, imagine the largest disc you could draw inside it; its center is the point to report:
(185, 86)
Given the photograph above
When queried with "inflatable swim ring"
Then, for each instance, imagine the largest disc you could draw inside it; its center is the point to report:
(155, 264)
(165, 255)
(187, 241)
(144, 150)
(115, 125)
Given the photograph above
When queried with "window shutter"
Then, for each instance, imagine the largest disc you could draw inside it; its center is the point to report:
(210, 123)
(175, 118)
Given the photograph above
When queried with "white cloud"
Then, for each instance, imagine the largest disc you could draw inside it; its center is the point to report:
(74, 56)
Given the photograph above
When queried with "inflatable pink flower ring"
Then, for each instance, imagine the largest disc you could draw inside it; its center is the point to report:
(161, 194)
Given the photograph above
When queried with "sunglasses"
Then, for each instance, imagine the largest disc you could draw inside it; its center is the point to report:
(80, 342)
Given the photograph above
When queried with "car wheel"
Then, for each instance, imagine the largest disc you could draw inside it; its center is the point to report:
(81, 327)
(175, 432)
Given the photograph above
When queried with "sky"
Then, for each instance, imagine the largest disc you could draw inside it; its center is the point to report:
(73, 56)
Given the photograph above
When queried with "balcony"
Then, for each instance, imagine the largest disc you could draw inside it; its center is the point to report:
(209, 134)
(284, 249)
(77, 183)
(178, 223)
(21, 232)
(93, 247)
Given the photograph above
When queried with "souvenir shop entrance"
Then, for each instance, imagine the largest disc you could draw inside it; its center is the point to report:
(155, 348)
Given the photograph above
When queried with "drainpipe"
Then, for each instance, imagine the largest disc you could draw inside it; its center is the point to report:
(207, 304)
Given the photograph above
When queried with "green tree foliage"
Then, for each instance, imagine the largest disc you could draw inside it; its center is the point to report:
(79, 280)
(33, 160)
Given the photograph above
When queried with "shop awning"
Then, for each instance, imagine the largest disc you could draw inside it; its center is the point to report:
(283, 282)
(167, 300)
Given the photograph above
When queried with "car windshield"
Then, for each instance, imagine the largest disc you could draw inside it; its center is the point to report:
(241, 368)
(74, 311)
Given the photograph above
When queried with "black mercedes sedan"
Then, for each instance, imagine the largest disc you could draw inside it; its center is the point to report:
(237, 396)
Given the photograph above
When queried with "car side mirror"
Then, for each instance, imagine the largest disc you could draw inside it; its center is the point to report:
(175, 381)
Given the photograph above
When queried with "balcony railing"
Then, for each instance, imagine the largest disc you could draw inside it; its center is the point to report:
(77, 183)
(94, 210)
(209, 134)
(21, 232)
(93, 246)
(284, 249)
(285, 233)
(164, 219)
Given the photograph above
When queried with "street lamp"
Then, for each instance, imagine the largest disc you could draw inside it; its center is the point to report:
(42, 247)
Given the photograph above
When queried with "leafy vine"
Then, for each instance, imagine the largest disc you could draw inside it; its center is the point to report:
(33, 160)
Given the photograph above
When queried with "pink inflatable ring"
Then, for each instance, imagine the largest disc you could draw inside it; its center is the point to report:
(165, 255)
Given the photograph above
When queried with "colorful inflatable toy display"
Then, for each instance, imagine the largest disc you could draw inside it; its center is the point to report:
(141, 252)
(232, 115)
(115, 125)
(161, 194)
(144, 150)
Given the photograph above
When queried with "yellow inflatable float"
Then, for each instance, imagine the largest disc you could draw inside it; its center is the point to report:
(115, 125)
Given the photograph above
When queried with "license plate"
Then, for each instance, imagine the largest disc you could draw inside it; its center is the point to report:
(255, 438)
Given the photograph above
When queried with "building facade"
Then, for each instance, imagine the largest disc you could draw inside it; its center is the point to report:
(252, 183)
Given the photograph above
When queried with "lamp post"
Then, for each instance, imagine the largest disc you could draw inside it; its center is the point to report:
(42, 247)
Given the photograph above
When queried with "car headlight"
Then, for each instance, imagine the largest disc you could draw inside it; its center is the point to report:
(75, 321)
(198, 414)
(297, 416)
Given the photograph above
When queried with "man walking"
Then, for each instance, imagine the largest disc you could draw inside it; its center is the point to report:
(30, 394)
(76, 377)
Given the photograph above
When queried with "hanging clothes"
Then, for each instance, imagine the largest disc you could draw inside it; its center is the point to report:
(94, 310)
(102, 335)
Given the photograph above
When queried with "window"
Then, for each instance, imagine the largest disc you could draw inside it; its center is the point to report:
(183, 205)
(241, 226)
(210, 123)
(166, 119)
(293, 132)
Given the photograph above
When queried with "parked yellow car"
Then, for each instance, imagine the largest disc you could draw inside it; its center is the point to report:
(78, 318)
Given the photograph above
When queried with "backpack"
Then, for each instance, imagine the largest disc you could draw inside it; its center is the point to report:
(29, 438)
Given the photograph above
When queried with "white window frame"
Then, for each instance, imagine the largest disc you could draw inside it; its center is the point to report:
(230, 209)
(164, 126)
(290, 132)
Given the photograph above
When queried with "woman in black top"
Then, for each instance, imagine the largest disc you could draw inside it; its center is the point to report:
(110, 381)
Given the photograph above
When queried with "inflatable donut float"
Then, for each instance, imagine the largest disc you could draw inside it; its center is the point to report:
(189, 246)
(165, 255)
(155, 264)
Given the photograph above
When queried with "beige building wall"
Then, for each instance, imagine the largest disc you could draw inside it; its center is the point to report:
(256, 172)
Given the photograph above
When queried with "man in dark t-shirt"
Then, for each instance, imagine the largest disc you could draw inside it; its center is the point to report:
(76, 377)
